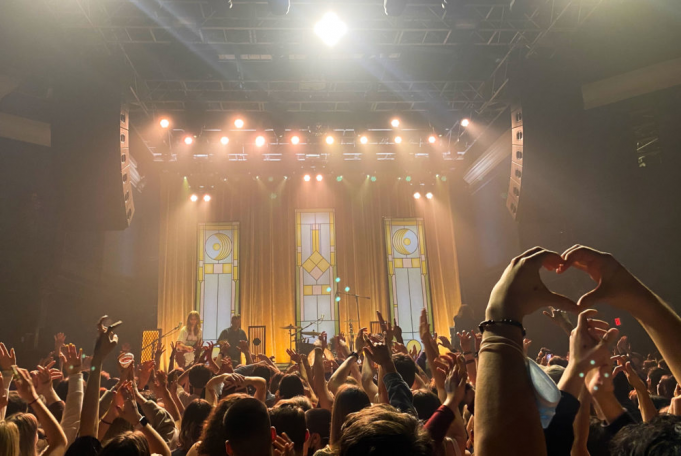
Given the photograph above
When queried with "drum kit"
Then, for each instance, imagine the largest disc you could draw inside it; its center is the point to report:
(299, 337)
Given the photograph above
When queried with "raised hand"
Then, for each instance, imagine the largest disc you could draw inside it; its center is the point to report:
(7, 358)
(400, 348)
(359, 340)
(526, 345)
(559, 318)
(397, 331)
(466, 341)
(632, 377)
(145, 373)
(445, 342)
(106, 341)
(44, 377)
(591, 341)
(414, 354)
(59, 341)
(520, 291)
(129, 410)
(25, 387)
(294, 355)
(283, 446)
(378, 351)
(623, 346)
(386, 329)
(323, 338)
(244, 346)
(478, 340)
(235, 380)
(455, 383)
(424, 327)
(4, 399)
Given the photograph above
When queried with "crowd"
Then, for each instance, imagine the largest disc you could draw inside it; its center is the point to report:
(480, 394)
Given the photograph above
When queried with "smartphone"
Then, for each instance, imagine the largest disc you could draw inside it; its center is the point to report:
(115, 325)
(549, 356)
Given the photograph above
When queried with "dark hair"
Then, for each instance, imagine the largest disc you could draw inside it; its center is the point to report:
(318, 421)
(655, 375)
(406, 367)
(199, 375)
(62, 389)
(558, 360)
(349, 399)
(247, 428)
(291, 386)
(383, 431)
(425, 404)
(15, 404)
(127, 444)
(194, 416)
(598, 439)
(28, 429)
(263, 372)
(291, 420)
(213, 435)
(275, 380)
(660, 401)
(667, 386)
(118, 427)
(657, 437)
(299, 401)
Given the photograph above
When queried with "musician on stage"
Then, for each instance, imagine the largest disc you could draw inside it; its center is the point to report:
(190, 335)
(233, 335)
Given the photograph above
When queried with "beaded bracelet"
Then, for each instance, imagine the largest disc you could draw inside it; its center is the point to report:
(504, 321)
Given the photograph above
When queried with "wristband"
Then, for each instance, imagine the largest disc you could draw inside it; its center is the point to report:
(143, 422)
(33, 401)
(470, 361)
(503, 321)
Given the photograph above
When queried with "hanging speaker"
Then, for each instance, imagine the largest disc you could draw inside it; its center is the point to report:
(517, 144)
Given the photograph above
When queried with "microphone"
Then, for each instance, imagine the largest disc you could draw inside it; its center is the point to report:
(179, 325)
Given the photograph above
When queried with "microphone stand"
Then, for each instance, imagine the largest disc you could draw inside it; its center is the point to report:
(162, 337)
(357, 298)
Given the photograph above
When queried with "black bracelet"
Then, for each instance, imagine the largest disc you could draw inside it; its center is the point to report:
(504, 321)
(354, 354)
(467, 353)
(470, 361)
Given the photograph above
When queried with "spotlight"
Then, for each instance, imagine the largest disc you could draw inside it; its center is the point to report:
(347, 289)
(295, 140)
(329, 140)
(363, 139)
(260, 141)
(408, 178)
(279, 7)
(194, 198)
(432, 139)
(373, 179)
(188, 140)
(339, 178)
(443, 178)
(465, 122)
(394, 7)
(319, 178)
(206, 197)
(417, 195)
(165, 123)
(330, 29)
(398, 139)
(429, 195)
(239, 123)
(395, 123)
(307, 178)
(224, 140)
(337, 279)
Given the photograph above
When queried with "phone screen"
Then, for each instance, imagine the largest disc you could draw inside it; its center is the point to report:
(548, 356)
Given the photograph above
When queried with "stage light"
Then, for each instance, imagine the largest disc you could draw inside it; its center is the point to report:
(337, 298)
(319, 178)
(398, 139)
(188, 140)
(417, 195)
(443, 178)
(339, 178)
(432, 139)
(328, 289)
(224, 140)
(239, 123)
(363, 139)
(429, 195)
(330, 29)
(394, 7)
(395, 123)
(279, 7)
(260, 141)
(373, 178)
(307, 178)
(337, 279)
(194, 198)
(206, 197)
(165, 123)
(329, 140)
(465, 122)
(408, 178)
(295, 140)
(347, 289)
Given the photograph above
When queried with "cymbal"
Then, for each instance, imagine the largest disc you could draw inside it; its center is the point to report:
(311, 333)
(290, 327)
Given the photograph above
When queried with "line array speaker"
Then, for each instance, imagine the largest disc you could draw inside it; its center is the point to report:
(517, 141)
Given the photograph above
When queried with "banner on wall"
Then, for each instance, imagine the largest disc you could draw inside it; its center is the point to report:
(408, 275)
(315, 271)
(217, 290)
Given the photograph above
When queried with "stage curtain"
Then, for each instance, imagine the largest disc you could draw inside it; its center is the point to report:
(266, 212)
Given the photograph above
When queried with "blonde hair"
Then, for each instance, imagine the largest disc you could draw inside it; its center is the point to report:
(197, 328)
(9, 439)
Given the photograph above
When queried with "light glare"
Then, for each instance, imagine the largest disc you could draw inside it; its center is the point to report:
(188, 140)
(398, 139)
(465, 122)
(260, 141)
(364, 140)
(307, 178)
(239, 123)
(429, 195)
(330, 29)
(194, 198)
(432, 139)
(417, 195)
(165, 123)
(206, 197)
(329, 140)
(395, 123)
(224, 140)
(295, 140)
(319, 177)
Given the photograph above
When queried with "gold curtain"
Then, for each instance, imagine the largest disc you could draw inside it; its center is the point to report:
(267, 247)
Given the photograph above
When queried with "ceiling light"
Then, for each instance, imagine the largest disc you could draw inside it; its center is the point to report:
(417, 195)
(319, 177)
(429, 195)
(363, 139)
(465, 122)
(329, 140)
(194, 198)
(188, 140)
(239, 123)
(398, 139)
(206, 197)
(260, 141)
(279, 7)
(224, 140)
(307, 178)
(295, 140)
(330, 29)
(432, 139)
(165, 123)
(395, 123)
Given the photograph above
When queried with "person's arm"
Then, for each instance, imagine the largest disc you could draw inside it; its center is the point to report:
(399, 393)
(4, 396)
(341, 375)
(111, 413)
(173, 354)
(7, 359)
(447, 418)
(466, 340)
(161, 388)
(560, 319)
(89, 418)
(260, 386)
(325, 397)
(246, 350)
(645, 403)
(431, 350)
(43, 379)
(70, 420)
(581, 425)
(506, 416)
(368, 379)
(130, 413)
(53, 432)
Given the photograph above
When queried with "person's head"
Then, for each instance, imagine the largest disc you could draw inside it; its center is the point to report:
(598, 439)
(290, 386)
(15, 404)
(263, 372)
(654, 376)
(319, 425)
(383, 431)
(194, 322)
(637, 361)
(667, 386)
(247, 429)
(425, 404)
(199, 375)
(657, 437)
(349, 399)
(298, 401)
(28, 432)
(9, 439)
(291, 420)
(193, 418)
(275, 380)
(127, 444)
(118, 427)
(236, 321)
(213, 435)
(406, 367)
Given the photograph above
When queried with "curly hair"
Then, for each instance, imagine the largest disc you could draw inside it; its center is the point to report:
(213, 435)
